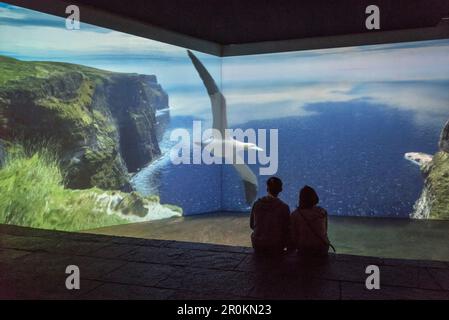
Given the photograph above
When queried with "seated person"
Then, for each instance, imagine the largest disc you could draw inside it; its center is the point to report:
(270, 219)
(309, 225)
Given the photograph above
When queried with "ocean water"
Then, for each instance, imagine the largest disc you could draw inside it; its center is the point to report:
(352, 153)
(195, 188)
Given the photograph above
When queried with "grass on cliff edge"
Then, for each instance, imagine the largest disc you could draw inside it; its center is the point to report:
(13, 70)
(438, 184)
(32, 194)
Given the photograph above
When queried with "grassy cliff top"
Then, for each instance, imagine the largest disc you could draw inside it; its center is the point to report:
(12, 69)
(438, 182)
(70, 99)
(15, 70)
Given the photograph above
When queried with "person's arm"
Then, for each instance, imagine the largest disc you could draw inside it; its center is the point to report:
(251, 218)
(293, 231)
(286, 226)
(325, 226)
(325, 220)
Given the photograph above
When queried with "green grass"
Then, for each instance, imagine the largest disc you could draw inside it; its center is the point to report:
(33, 78)
(438, 184)
(13, 70)
(75, 109)
(32, 194)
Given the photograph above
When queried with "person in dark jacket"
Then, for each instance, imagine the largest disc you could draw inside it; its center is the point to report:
(270, 219)
(309, 225)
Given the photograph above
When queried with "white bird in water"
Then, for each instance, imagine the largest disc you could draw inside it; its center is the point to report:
(220, 123)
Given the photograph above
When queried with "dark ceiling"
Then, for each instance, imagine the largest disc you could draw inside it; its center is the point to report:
(245, 21)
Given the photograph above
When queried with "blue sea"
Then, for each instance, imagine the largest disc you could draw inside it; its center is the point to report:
(352, 153)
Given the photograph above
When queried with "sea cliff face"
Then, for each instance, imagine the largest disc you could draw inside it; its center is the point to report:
(102, 124)
(444, 139)
(434, 200)
(70, 136)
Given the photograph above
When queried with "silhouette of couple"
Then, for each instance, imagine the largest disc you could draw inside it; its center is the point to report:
(275, 229)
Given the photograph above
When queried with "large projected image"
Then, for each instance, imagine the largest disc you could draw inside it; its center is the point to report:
(89, 120)
(360, 124)
(85, 119)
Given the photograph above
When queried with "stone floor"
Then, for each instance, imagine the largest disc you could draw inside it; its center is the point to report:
(33, 263)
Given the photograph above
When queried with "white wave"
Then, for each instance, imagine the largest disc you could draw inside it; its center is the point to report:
(161, 112)
(154, 210)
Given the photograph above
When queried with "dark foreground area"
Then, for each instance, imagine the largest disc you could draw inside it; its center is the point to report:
(33, 264)
(378, 237)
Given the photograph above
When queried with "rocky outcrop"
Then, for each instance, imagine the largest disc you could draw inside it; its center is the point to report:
(132, 206)
(444, 139)
(418, 158)
(422, 207)
(434, 200)
(102, 124)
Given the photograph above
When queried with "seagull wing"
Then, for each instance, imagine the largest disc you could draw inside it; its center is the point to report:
(220, 123)
(248, 177)
(249, 182)
(218, 102)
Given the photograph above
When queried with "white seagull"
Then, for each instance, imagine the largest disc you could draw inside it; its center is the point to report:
(220, 123)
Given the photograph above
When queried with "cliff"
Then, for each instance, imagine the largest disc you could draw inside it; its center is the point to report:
(102, 124)
(444, 139)
(434, 200)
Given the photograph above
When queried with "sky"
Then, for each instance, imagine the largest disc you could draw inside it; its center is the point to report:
(408, 76)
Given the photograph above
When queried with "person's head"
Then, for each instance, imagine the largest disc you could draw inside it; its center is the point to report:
(308, 198)
(274, 186)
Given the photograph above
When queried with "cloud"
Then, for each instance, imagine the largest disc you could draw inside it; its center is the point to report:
(416, 61)
(425, 99)
(37, 35)
(283, 101)
(410, 76)
(21, 17)
(47, 41)
(12, 12)
(406, 76)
